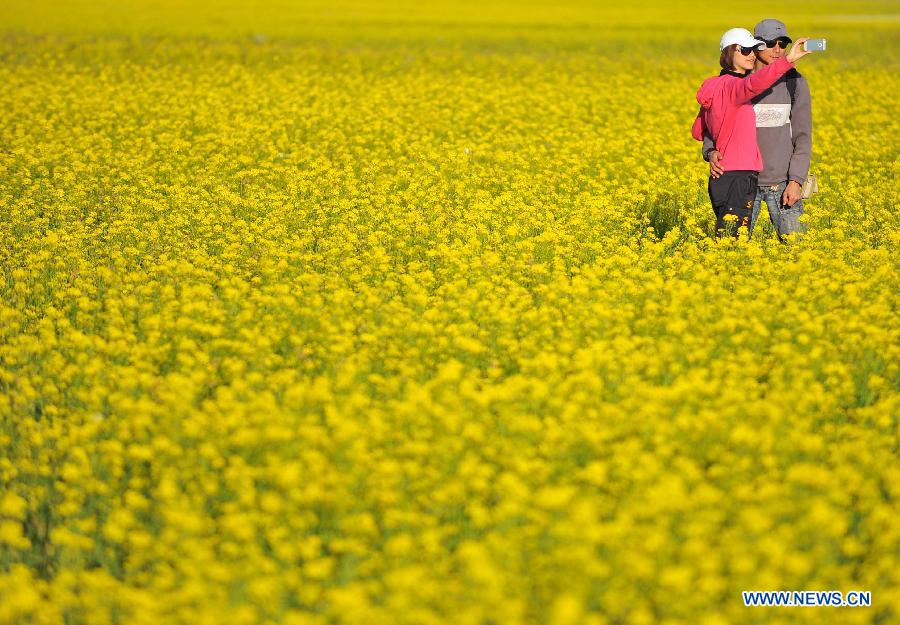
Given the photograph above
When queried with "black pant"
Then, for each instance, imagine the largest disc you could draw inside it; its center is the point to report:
(733, 193)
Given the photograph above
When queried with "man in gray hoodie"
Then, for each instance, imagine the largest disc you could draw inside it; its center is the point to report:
(784, 135)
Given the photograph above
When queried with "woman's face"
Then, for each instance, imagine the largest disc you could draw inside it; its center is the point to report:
(744, 61)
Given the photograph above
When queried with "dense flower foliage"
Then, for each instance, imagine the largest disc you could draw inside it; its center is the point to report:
(410, 314)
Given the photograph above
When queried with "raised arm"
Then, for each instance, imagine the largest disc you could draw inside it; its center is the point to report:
(742, 91)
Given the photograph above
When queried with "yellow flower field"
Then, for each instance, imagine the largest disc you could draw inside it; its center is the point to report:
(409, 313)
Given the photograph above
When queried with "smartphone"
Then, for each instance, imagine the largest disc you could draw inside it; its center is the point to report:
(814, 45)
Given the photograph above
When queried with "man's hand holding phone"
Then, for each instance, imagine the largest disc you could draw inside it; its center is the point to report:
(798, 50)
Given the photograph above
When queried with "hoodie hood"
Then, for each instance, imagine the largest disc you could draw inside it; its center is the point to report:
(707, 90)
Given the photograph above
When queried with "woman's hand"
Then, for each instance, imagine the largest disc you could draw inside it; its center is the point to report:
(797, 52)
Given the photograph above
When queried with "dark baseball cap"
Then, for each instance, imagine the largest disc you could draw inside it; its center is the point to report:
(770, 30)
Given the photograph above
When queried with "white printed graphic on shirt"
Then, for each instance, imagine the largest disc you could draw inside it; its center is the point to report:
(772, 115)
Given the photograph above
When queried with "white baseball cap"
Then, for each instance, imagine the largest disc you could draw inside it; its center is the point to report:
(742, 37)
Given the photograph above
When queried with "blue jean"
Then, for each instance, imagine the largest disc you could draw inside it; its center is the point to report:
(786, 219)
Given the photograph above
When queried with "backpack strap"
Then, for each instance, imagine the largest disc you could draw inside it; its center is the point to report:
(791, 78)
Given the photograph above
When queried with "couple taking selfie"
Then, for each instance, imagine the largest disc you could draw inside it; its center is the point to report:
(755, 123)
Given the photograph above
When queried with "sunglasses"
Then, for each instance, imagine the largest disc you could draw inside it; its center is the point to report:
(784, 42)
(747, 51)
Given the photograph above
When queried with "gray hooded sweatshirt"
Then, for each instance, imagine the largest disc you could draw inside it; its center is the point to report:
(783, 131)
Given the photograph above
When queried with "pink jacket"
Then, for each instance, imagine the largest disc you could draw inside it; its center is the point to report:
(719, 94)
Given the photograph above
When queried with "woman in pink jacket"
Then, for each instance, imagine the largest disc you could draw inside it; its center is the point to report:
(727, 115)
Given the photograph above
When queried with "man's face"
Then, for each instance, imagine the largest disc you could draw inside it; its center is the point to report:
(767, 55)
